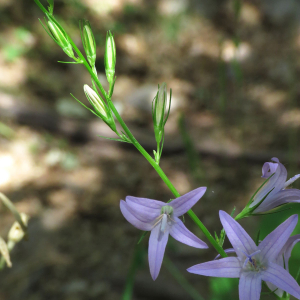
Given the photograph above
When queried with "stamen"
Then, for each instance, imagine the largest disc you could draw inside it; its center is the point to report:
(290, 181)
(164, 223)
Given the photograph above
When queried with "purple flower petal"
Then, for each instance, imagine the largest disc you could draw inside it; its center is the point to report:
(273, 243)
(147, 209)
(133, 218)
(268, 169)
(250, 286)
(238, 237)
(225, 267)
(288, 247)
(282, 279)
(230, 250)
(180, 233)
(275, 184)
(282, 197)
(182, 204)
(157, 245)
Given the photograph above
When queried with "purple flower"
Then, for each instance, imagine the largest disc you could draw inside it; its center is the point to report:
(283, 260)
(253, 263)
(274, 191)
(162, 219)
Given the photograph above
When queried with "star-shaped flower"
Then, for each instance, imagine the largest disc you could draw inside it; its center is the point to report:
(253, 263)
(274, 191)
(162, 219)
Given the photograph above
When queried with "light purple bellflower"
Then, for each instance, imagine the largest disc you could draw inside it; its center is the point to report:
(162, 219)
(274, 191)
(253, 263)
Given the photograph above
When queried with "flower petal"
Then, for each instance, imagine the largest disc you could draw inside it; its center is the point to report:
(281, 278)
(147, 209)
(229, 250)
(133, 218)
(275, 184)
(180, 233)
(182, 204)
(288, 247)
(157, 245)
(238, 237)
(250, 286)
(282, 197)
(273, 243)
(225, 267)
(268, 169)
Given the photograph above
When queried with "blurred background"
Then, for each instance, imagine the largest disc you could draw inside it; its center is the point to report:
(233, 66)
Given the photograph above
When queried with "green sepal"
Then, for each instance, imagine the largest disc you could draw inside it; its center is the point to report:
(113, 139)
(142, 236)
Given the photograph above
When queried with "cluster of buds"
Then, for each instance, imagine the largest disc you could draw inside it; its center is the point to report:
(160, 114)
(100, 107)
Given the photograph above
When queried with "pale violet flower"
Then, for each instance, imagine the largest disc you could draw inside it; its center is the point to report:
(162, 219)
(274, 191)
(253, 263)
(283, 260)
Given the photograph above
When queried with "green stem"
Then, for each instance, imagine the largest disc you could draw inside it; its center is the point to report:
(139, 147)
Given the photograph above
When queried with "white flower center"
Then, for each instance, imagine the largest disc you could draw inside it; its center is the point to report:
(253, 264)
(165, 218)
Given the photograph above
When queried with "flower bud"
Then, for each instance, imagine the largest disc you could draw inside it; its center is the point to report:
(160, 111)
(88, 42)
(60, 37)
(16, 232)
(95, 100)
(110, 58)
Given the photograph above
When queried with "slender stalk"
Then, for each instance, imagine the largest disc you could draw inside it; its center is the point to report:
(138, 146)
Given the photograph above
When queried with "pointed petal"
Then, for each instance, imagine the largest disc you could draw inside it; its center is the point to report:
(182, 204)
(282, 197)
(147, 209)
(157, 245)
(288, 247)
(250, 286)
(237, 236)
(225, 267)
(180, 233)
(281, 278)
(133, 218)
(275, 184)
(273, 243)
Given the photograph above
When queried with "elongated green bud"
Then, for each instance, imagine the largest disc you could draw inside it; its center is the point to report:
(160, 111)
(60, 37)
(88, 42)
(110, 57)
(95, 100)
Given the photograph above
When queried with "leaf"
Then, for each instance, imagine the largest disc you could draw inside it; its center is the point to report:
(112, 139)
(142, 236)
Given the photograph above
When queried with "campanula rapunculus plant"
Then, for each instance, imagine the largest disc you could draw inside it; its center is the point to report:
(162, 219)
(253, 263)
(283, 260)
(274, 192)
